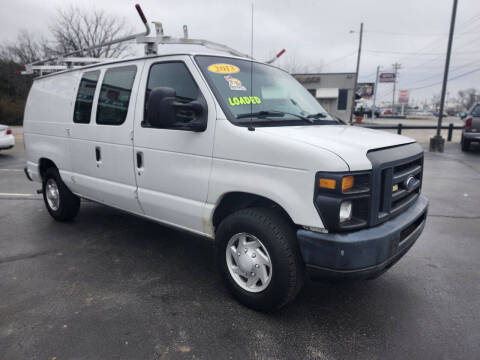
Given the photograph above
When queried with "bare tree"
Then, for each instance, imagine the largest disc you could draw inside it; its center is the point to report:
(72, 29)
(25, 49)
(468, 97)
(293, 65)
(75, 28)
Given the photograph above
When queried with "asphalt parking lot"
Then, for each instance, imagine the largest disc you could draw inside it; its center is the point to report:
(113, 286)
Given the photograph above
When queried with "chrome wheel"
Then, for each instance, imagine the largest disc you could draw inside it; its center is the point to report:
(52, 194)
(248, 262)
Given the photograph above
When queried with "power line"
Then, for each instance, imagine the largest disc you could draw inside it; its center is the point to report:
(419, 54)
(449, 79)
(440, 74)
(340, 58)
(436, 43)
(413, 34)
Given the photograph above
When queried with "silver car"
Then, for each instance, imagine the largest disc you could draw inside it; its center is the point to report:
(471, 133)
(7, 141)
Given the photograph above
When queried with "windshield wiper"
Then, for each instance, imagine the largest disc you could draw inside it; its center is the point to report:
(317, 116)
(265, 113)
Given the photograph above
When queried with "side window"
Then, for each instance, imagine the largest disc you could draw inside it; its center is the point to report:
(86, 92)
(174, 75)
(115, 95)
(342, 99)
(476, 111)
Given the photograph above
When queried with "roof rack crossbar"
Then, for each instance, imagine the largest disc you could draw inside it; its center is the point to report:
(167, 40)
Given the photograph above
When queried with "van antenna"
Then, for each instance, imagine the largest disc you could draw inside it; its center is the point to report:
(250, 127)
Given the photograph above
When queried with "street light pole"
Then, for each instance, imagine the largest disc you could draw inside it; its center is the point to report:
(356, 72)
(437, 142)
(375, 89)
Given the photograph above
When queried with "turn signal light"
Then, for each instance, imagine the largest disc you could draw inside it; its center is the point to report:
(347, 183)
(327, 183)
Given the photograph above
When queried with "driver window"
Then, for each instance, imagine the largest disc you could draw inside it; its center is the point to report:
(174, 75)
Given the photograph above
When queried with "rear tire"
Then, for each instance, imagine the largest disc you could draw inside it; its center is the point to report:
(277, 241)
(61, 203)
(465, 144)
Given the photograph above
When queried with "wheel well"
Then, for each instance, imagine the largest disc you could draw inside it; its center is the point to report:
(235, 201)
(45, 164)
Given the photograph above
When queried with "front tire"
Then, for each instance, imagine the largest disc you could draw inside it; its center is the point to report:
(60, 202)
(259, 259)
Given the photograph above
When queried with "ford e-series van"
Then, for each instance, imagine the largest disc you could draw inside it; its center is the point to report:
(234, 150)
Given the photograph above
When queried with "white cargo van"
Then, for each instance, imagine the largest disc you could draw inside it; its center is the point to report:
(234, 150)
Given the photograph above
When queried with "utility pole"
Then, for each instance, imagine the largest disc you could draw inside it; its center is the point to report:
(375, 89)
(396, 66)
(437, 142)
(356, 72)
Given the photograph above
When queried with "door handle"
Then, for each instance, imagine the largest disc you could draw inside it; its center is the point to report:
(139, 162)
(98, 154)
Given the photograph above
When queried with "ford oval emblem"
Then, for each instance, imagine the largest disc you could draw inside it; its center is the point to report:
(410, 183)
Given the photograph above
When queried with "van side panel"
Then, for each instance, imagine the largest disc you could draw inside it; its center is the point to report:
(48, 113)
(257, 163)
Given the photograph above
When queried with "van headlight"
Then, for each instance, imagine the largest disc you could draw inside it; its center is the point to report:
(343, 199)
(345, 211)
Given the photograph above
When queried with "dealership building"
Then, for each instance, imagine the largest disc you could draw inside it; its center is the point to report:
(333, 91)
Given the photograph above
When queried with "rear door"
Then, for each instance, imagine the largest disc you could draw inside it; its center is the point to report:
(102, 141)
(173, 165)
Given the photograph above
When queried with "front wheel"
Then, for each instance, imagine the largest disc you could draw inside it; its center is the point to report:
(61, 203)
(259, 258)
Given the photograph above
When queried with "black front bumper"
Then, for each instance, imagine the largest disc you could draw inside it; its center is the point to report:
(365, 253)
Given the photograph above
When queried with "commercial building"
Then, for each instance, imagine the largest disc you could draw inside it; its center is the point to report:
(333, 91)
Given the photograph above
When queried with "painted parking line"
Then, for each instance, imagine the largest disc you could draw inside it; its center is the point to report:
(19, 196)
(13, 170)
(16, 194)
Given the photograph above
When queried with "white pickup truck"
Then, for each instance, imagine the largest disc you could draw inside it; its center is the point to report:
(234, 150)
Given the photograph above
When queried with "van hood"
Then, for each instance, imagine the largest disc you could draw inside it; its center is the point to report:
(351, 143)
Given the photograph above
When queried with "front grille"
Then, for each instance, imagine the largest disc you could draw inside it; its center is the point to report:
(404, 195)
(396, 179)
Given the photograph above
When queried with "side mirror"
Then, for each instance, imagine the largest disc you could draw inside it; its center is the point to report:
(163, 111)
(160, 112)
(462, 115)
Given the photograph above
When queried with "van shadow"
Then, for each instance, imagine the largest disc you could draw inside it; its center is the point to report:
(155, 257)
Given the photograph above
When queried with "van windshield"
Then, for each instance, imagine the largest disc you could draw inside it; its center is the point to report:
(254, 92)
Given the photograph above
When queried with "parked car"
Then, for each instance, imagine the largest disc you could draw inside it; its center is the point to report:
(471, 132)
(387, 112)
(7, 140)
(262, 169)
(436, 113)
(419, 113)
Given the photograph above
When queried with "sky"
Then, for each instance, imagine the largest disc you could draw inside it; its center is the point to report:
(319, 35)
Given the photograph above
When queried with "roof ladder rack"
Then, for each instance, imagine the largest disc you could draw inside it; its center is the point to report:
(66, 61)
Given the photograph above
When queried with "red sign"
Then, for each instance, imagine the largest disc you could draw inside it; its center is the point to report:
(403, 97)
